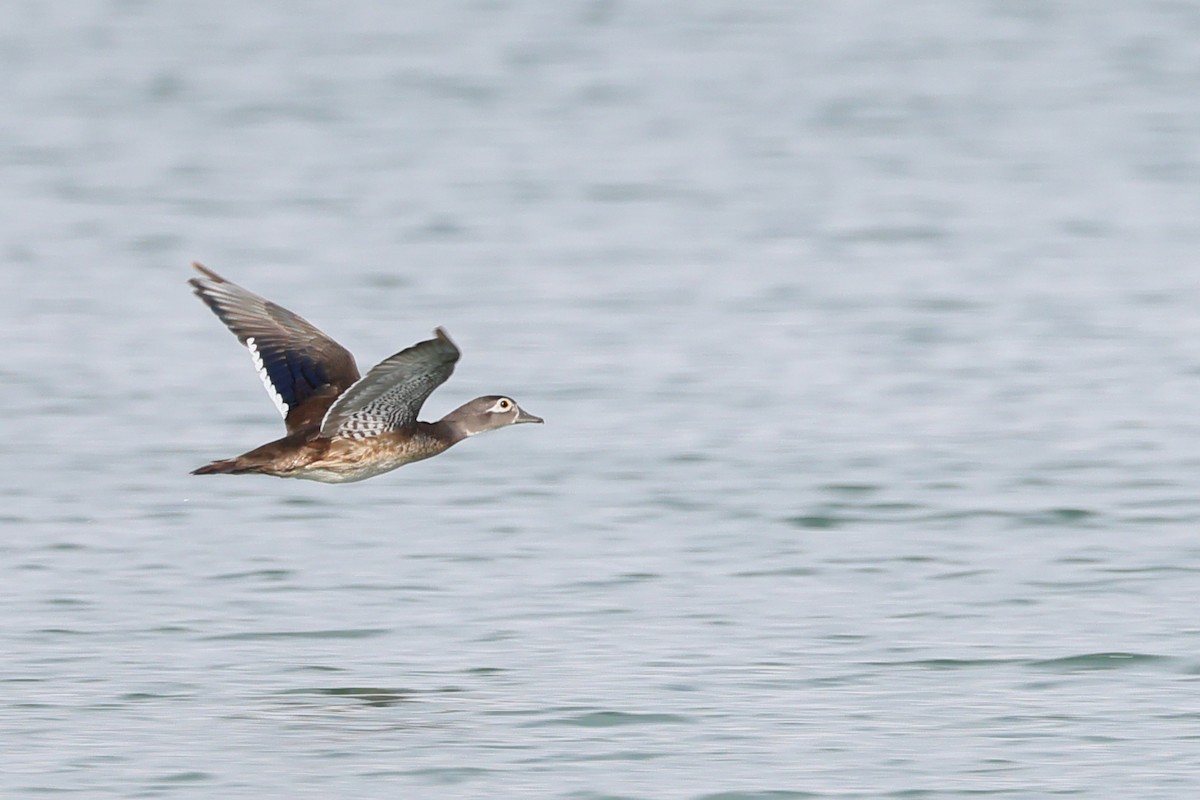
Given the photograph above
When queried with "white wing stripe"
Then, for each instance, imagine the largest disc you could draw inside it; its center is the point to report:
(276, 397)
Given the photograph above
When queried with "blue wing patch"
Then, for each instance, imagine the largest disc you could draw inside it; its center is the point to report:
(289, 377)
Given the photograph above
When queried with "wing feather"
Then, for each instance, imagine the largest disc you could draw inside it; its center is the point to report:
(303, 369)
(390, 396)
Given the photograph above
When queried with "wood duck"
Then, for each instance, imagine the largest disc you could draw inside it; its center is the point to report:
(341, 427)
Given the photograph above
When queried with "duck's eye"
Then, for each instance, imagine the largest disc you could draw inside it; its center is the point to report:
(504, 405)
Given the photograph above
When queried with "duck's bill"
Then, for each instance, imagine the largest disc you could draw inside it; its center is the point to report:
(525, 416)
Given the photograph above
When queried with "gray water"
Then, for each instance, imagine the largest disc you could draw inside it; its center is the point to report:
(866, 335)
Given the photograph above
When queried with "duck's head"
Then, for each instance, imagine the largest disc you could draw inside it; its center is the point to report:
(486, 414)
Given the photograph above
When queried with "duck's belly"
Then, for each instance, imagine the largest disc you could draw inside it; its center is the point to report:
(337, 475)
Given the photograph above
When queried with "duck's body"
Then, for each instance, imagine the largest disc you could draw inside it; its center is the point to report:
(337, 459)
(341, 427)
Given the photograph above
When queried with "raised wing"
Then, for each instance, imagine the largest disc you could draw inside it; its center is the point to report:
(392, 393)
(303, 370)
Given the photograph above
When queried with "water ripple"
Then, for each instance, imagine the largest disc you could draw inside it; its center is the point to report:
(333, 633)
(1101, 661)
(611, 719)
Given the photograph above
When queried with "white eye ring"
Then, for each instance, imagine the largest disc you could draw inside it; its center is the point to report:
(504, 405)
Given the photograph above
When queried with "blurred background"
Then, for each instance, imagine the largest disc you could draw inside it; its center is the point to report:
(865, 336)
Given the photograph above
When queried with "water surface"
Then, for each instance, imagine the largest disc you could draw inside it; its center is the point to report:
(865, 337)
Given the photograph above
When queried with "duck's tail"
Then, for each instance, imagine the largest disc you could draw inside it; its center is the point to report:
(228, 466)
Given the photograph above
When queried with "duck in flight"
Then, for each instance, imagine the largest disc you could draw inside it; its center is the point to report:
(342, 427)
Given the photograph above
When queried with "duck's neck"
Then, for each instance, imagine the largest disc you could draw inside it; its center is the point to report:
(447, 429)
(462, 422)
